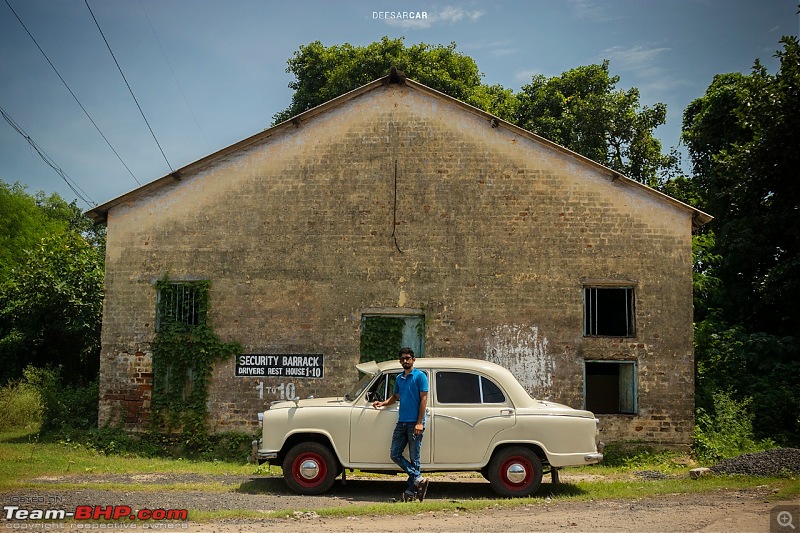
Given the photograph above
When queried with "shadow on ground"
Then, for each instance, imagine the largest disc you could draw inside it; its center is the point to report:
(385, 489)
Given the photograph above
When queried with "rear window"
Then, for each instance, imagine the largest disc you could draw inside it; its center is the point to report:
(463, 387)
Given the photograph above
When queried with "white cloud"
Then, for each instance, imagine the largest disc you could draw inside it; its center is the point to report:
(446, 15)
(525, 76)
(493, 48)
(590, 10)
(456, 14)
(637, 58)
(648, 65)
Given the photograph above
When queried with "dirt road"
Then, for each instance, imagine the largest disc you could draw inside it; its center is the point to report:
(740, 511)
(708, 513)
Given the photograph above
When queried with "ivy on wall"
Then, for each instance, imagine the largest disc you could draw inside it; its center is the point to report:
(381, 338)
(185, 350)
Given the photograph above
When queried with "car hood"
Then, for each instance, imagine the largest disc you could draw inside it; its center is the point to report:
(310, 402)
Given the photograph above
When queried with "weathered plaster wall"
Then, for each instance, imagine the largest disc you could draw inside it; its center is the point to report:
(498, 233)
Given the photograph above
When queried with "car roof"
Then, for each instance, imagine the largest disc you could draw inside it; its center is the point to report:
(464, 363)
(504, 376)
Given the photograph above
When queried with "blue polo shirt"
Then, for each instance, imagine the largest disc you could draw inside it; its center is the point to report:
(408, 389)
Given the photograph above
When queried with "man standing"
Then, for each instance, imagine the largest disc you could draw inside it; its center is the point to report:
(411, 390)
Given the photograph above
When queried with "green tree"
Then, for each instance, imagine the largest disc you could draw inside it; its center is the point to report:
(742, 136)
(583, 111)
(24, 220)
(50, 309)
(323, 73)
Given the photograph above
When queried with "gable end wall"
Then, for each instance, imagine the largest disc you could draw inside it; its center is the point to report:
(400, 200)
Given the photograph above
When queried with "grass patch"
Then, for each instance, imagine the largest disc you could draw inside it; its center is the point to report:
(21, 407)
(26, 463)
(23, 459)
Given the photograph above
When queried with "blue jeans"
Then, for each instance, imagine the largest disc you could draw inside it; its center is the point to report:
(403, 436)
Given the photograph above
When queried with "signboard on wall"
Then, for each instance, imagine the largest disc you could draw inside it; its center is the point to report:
(280, 365)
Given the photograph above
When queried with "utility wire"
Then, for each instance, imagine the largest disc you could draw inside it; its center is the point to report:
(72, 93)
(128, 85)
(175, 76)
(80, 193)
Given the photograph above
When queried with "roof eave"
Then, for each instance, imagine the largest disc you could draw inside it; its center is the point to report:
(100, 213)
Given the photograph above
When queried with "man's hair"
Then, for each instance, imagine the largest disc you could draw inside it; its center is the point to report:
(406, 350)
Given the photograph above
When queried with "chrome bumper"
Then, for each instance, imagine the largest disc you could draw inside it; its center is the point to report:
(593, 457)
(261, 456)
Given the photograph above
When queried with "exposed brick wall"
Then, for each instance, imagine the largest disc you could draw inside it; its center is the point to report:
(496, 234)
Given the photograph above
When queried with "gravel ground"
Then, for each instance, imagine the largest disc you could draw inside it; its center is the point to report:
(775, 462)
(749, 510)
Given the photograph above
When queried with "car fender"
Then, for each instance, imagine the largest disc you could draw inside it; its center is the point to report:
(313, 435)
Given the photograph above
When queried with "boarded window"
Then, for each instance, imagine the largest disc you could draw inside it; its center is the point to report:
(611, 387)
(165, 380)
(608, 312)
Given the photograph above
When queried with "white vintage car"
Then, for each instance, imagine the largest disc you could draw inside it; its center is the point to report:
(479, 419)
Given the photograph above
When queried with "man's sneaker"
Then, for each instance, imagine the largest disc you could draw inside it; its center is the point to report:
(422, 488)
(409, 496)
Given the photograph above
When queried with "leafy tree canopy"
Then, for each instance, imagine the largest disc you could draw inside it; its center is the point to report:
(51, 283)
(50, 308)
(742, 136)
(26, 220)
(583, 110)
(323, 73)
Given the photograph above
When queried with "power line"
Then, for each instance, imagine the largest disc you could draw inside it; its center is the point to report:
(80, 193)
(72, 93)
(128, 85)
(175, 76)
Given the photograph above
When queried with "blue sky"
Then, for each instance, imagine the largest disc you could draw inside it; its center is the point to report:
(208, 73)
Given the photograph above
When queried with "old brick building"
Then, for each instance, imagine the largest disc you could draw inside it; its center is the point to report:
(397, 203)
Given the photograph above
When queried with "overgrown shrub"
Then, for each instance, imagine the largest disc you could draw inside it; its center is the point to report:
(20, 407)
(184, 352)
(637, 454)
(727, 431)
(229, 447)
(63, 406)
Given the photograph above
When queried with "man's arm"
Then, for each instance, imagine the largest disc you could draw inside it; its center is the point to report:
(423, 404)
(389, 401)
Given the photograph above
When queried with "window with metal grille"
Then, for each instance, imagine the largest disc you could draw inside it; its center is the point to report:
(181, 303)
(608, 312)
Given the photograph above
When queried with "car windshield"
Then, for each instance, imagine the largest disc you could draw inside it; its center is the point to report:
(359, 387)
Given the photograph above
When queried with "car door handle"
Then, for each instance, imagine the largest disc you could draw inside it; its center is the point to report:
(508, 412)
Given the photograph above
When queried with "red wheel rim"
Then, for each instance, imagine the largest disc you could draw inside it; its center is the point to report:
(309, 469)
(516, 473)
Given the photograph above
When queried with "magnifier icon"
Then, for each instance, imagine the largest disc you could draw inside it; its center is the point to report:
(785, 519)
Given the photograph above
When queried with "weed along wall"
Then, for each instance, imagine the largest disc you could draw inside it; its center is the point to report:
(394, 216)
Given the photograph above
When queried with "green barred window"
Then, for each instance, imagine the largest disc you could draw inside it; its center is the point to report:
(182, 303)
